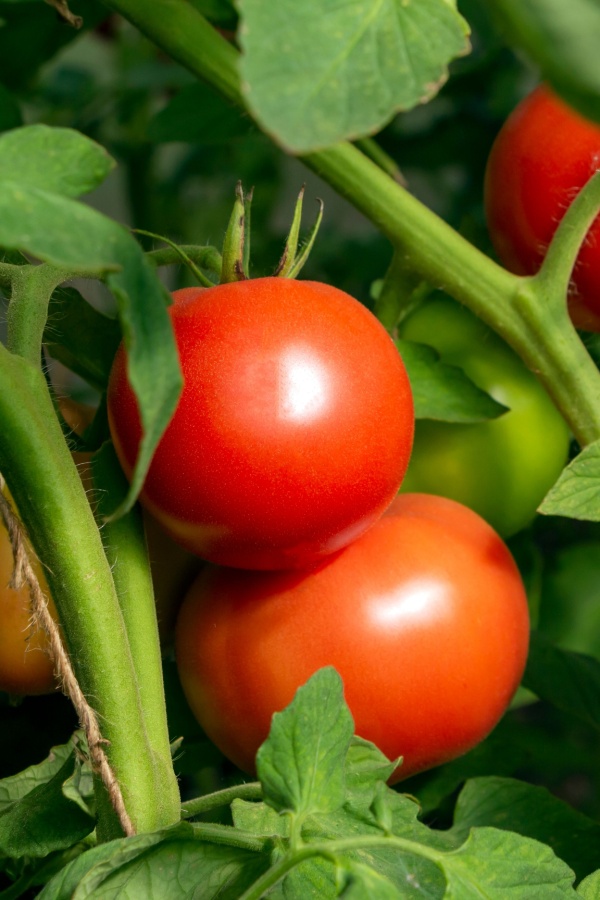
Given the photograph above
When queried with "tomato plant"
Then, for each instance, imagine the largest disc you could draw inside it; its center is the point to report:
(543, 155)
(293, 431)
(425, 618)
(503, 467)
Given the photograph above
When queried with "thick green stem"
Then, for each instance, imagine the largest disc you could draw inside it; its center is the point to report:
(43, 479)
(32, 287)
(125, 547)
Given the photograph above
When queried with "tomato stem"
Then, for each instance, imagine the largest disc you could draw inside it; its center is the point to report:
(250, 791)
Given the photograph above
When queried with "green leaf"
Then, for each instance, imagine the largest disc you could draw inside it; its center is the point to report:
(10, 113)
(442, 391)
(68, 234)
(589, 889)
(220, 12)
(170, 864)
(570, 681)
(45, 819)
(364, 883)
(322, 71)
(59, 160)
(562, 40)
(532, 812)
(80, 337)
(301, 764)
(15, 787)
(576, 494)
(499, 864)
(199, 115)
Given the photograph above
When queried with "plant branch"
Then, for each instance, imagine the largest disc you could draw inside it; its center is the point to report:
(250, 791)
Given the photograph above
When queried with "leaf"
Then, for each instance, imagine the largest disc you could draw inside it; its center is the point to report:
(220, 12)
(68, 234)
(499, 864)
(80, 337)
(570, 681)
(442, 391)
(72, 163)
(576, 494)
(589, 889)
(169, 864)
(15, 787)
(322, 71)
(562, 40)
(10, 114)
(300, 765)
(533, 812)
(44, 820)
(364, 883)
(199, 115)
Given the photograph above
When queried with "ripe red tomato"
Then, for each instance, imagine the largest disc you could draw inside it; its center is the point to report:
(542, 157)
(425, 618)
(293, 431)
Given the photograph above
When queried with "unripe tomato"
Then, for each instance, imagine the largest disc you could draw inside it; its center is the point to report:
(502, 468)
(542, 157)
(293, 431)
(424, 616)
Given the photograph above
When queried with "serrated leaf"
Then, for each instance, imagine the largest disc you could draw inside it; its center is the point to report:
(44, 820)
(576, 494)
(199, 115)
(168, 864)
(562, 40)
(72, 163)
(570, 681)
(442, 391)
(61, 231)
(322, 71)
(80, 337)
(301, 764)
(530, 811)
(499, 864)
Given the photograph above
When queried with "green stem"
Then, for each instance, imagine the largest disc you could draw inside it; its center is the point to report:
(50, 497)
(250, 791)
(231, 837)
(125, 547)
(331, 850)
(206, 257)
(425, 243)
(32, 287)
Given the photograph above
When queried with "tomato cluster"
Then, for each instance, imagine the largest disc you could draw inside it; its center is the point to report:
(289, 443)
(543, 155)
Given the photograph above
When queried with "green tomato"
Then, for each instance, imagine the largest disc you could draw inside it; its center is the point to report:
(502, 468)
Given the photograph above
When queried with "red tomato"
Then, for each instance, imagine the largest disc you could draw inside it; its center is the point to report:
(542, 157)
(293, 431)
(425, 618)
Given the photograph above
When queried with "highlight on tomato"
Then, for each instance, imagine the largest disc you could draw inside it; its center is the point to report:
(502, 468)
(293, 431)
(543, 155)
(425, 618)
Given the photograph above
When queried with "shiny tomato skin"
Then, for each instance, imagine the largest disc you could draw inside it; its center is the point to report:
(541, 158)
(425, 617)
(293, 431)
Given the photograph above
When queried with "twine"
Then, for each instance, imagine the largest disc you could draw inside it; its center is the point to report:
(23, 573)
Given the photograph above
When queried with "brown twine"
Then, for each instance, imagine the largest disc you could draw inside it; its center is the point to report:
(23, 573)
(62, 8)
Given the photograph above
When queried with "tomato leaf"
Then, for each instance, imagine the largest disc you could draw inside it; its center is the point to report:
(72, 163)
(493, 863)
(315, 73)
(167, 864)
(562, 39)
(361, 882)
(80, 337)
(568, 680)
(442, 391)
(45, 819)
(576, 494)
(300, 764)
(15, 787)
(68, 234)
(533, 812)
(589, 889)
